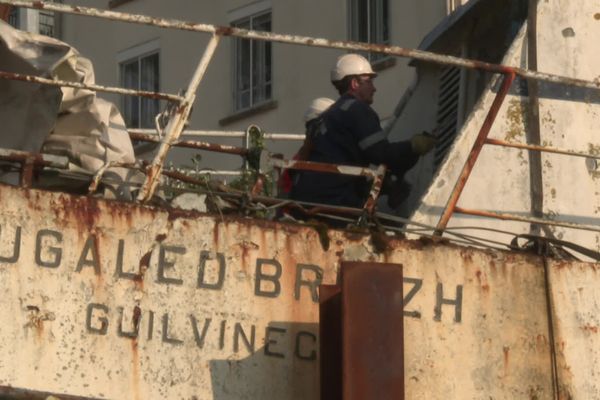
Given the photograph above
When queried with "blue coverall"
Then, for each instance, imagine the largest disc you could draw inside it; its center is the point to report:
(349, 134)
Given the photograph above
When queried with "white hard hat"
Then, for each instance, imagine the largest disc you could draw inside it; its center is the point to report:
(316, 107)
(351, 64)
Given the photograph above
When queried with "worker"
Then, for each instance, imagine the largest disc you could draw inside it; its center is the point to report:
(311, 123)
(350, 133)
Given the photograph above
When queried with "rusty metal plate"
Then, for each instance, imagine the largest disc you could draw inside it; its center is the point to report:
(575, 303)
(372, 331)
(109, 300)
(330, 345)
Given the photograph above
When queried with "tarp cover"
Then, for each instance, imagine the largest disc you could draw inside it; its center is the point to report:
(68, 121)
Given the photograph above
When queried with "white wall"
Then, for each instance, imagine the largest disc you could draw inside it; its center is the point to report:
(300, 73)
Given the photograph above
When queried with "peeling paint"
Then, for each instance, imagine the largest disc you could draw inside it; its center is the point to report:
(514, 117)
(193, 309)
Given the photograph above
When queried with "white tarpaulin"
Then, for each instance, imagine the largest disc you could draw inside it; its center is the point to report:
(70, 122)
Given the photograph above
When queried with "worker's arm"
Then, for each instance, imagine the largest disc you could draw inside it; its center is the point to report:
(399, 157)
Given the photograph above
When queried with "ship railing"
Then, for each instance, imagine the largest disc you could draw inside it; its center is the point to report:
(180, 115)
(481, 140)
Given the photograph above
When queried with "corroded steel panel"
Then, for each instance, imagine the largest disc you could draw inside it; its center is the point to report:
(330, 346)
(576, 309)
(569, 119)
(110, 300)
(372, 331)
(474, 324)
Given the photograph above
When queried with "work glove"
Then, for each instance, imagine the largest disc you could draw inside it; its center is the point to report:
(422, 143)
(397, 190)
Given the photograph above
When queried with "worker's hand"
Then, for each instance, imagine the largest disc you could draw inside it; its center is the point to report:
(422, 143)
(396, 189)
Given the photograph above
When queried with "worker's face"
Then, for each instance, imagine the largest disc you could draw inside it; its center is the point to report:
(364, 88)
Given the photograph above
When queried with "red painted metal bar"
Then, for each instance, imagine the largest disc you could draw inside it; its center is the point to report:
(372, 331)
(322, 167)
(474, 154)
(497, 142)
(377, 175)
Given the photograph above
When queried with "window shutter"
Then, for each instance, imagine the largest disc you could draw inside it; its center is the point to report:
(447, 115)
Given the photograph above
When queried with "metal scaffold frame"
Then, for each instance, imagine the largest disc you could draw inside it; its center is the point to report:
(180, 114)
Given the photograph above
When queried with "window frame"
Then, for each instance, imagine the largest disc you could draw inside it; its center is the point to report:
(382, 31)
(453, 5)
(54, 26)
(14, 17)
(136, 55)
(265, 71)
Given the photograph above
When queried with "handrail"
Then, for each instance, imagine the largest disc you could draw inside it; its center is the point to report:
(180, 114)
(398, 51)
(513, 217)
(98, 88)
(222, 134)
(474, 154)
(177, 122)
(546, 149)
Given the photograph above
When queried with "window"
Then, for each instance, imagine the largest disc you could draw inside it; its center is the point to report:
(140, 73)
(117, 3)
(13, 17)
(369, 22)
(48, 23)
(42, 21)
(452, 5)
(253, 63)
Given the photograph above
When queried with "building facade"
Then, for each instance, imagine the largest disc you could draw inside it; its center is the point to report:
(247, 82)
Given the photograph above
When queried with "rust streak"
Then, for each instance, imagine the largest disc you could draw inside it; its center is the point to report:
(589, 328)
(135, 374)
(137, 314)
(506, 350)
(224, 31)
(143, 267)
